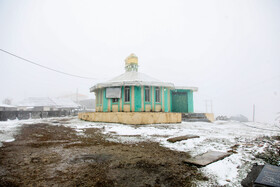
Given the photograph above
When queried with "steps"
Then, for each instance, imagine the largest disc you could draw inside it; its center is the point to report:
(194, 117)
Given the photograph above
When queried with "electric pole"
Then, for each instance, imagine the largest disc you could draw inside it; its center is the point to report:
(253, 112)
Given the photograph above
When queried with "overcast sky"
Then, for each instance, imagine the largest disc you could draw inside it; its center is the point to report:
(230, 50)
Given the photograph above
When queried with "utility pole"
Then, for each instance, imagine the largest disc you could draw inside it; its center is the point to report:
(253, 112)
(211, 105)
(77, 99)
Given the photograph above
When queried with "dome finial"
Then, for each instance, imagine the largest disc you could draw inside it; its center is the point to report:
(131, 63)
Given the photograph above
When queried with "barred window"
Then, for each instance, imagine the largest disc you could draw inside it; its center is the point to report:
(126, 94)
(157, 94)
(147, 94)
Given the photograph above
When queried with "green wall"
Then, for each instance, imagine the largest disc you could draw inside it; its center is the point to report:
(181, 101)
(137, 99)
(105, 101)
(165, 90)
(190, 101)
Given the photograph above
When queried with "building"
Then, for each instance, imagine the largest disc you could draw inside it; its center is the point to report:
(136, 98)
(133, 91)
(46, 104)
(5, 107)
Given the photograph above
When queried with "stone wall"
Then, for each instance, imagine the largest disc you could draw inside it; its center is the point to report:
(135, 118)
(11, 115)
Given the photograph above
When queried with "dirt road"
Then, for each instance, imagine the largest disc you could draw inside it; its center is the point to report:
(48, 155)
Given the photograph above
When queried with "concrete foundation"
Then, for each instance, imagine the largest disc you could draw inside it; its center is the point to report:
(134, 118)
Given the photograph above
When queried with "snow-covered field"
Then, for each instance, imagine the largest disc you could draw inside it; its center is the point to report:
(219, 136)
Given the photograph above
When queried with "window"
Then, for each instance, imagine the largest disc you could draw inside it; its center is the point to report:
(157, 94)
(115, 100)
(147, 94)
(126, 94)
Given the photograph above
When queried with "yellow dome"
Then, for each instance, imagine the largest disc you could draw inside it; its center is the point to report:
(131, 59)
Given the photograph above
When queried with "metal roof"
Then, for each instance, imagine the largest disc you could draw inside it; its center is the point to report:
(195, 89)
(49, 102)
(132, 79)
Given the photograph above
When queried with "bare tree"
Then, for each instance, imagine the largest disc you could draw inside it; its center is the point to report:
(7, 101)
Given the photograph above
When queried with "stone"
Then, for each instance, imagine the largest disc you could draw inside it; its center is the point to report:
(270, 176)
(180, 138)
(207, 158)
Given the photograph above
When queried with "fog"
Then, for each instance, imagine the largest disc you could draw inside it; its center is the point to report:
(230, 50)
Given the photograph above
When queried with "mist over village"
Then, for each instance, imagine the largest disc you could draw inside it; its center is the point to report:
(139, 93)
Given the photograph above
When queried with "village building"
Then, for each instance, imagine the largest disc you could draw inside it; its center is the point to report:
(133, 91)
(46, 104)
(136, 98)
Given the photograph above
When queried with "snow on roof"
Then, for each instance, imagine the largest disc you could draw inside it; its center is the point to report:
(187, 88)
(7, 106)
(49, 102)
(65, 103)
(36, 102)
(132, 79)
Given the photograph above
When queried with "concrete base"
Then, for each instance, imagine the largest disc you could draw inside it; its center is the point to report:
(134, 118)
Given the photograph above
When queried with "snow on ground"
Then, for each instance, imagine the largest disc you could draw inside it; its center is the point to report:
(219, 136)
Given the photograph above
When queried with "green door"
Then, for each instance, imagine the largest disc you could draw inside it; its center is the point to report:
(179, 102)
(137, 98)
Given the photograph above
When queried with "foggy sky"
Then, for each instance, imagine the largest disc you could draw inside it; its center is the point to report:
(230, 50)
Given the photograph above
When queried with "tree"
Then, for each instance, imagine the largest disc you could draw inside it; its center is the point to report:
(7, 101)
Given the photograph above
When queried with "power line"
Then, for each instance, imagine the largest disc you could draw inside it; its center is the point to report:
(57, 71)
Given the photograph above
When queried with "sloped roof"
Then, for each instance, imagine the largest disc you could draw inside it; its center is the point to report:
(132, 79)
(49, 102)
(36, 102)
(64, 103)
(7, 106)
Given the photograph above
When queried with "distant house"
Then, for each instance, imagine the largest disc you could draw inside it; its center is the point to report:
(4, 107)
(46, 104)
(87, 104)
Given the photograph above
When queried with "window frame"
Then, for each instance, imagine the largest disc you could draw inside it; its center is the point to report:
(157, 94)
(147, 90)
(127, 94)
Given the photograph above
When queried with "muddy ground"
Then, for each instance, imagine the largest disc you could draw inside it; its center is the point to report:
(48, 155)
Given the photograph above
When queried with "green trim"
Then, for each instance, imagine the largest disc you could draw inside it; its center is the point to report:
(166, 100)
(105, 101)
(161, 98)
(122, 97)
(170, 93)
(130, 97)
(190, 101)
(137, 99)
(118, 105)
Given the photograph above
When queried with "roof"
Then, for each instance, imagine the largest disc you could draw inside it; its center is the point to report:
(186, 88)
(49, 102)
(132, 79)
(65, 103)
(7, 106)
(36, 102)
